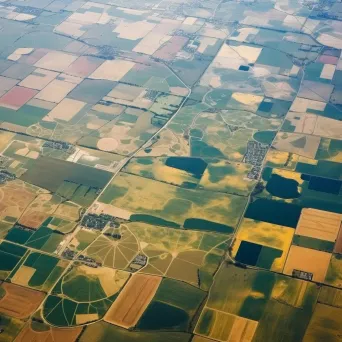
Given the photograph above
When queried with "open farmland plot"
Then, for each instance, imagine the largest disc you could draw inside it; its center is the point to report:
(105, 332)
(126, 133)
(13, 327)
(301, 189)
(318, 224)
(304, 145)
(45, 239)
(163, 204)
(10, 255)
(116, 248)
(15, 197)
(39, 271)
(325, 324)
(162, 169)
(334, 273)
(20, 302)
(241, 292)
(50, 173)
(39, 210)
(173, 307)
(330, 149)
(258, 296)
(41, 332)
(84, 294)
(221, 326)
(267, 247)
(133, 300)
(211, 174)
(190, 256)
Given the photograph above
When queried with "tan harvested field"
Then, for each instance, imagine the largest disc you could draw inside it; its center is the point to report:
(338, 244)
(112, 70)
(55, 91)
(133, 30)
(313, 124)
(39, 79)
(28, 334)
(133, 300)
(66, 110)
(308, 260)
(243, 330)
(56, 60)
(319, 224)
(151, 43)
(23, 275)
(20, 302)
(85, 318)
(14, 198)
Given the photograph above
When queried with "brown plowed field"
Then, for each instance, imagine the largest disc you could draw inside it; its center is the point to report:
(338, 244)
(20, 302)
(133, 300)
(52, 335)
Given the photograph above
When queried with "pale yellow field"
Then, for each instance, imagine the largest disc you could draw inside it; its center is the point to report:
(151, 43)
(308, 260)
(133, 30)
(112, 70)
(56, 60)
(55, 91)
(319, 224)
(5, 138)
(66, 110)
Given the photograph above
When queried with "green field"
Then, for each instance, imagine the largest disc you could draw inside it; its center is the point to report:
(173, 307)
(104, 332)
(39, 271)
(10, 256)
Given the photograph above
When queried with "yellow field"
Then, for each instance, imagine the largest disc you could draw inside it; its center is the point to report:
(225, 327)
(144, 196)
(266, 234)
(133, 300)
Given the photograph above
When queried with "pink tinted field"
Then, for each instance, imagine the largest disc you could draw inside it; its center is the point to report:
(17, 97)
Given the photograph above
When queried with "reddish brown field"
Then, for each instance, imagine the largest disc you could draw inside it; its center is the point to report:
(338, 244)
(20, 302)
(171, 48)
(84, 66)
(51, 335)
(133, 300)
(17, 97)
(328, 59)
